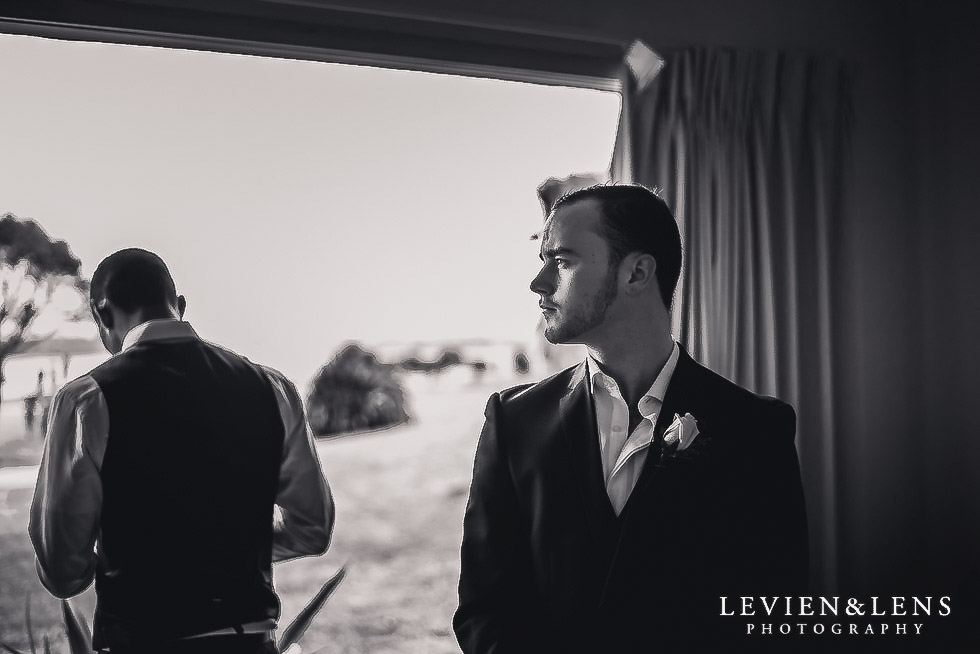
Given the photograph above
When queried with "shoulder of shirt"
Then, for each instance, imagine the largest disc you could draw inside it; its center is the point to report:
(282, 384)
(285, 389)
(274, 375)
(79, 391)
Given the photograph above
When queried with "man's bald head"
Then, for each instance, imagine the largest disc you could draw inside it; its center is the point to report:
(130, 287)
(133, 280)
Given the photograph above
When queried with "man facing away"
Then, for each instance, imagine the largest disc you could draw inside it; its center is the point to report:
(174, 474)
(613, 504)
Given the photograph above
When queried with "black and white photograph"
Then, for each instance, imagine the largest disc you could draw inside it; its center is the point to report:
(489, 328)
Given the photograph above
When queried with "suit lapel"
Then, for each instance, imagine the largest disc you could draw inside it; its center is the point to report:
(677, 400)
(579, 428)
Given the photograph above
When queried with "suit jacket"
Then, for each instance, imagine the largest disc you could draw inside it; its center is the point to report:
(547, 566)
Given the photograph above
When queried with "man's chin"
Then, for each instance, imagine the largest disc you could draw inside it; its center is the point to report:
(556, 336)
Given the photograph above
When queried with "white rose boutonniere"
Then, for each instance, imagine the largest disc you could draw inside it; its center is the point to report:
(681, 432)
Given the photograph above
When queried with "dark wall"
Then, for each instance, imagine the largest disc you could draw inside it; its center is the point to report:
(947, 183)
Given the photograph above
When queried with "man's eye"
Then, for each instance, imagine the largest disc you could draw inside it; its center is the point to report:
(561, 262)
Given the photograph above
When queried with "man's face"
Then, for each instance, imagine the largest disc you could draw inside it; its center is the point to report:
(576, 284)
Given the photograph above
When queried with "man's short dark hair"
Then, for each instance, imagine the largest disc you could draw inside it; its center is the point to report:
(133, 279)
(636, 219)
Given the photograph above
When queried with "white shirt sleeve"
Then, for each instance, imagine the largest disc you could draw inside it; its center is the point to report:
(67, 504)
(304, 516)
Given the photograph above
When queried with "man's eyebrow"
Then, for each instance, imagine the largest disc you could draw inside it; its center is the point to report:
(551, 253)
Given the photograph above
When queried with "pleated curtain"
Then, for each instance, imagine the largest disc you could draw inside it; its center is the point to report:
(749, 149)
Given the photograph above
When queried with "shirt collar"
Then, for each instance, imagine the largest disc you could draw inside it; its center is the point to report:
(656, 391)
(158, 330)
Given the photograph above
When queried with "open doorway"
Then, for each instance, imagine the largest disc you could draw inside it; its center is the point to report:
(302, 206)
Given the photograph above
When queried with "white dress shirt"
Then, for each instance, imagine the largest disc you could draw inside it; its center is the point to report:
(623, 454)
(65, 514)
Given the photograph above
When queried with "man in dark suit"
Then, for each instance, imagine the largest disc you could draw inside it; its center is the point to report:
(174, 474)
(613, 504)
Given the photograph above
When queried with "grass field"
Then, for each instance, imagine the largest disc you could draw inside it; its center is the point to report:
(400, 497)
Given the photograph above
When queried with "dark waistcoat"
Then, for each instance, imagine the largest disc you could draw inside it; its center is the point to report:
(189, 478)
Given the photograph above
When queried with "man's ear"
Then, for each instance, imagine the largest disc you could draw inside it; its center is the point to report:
(181, 306)
(642, 269)
(102, 313)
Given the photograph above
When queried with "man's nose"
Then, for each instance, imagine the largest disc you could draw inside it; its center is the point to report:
(542, 284)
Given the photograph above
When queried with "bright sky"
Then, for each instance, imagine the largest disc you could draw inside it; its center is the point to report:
(298, 204)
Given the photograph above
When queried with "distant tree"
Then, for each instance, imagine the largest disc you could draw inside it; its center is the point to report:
(33, 267)
(355, 391)
(446, 359)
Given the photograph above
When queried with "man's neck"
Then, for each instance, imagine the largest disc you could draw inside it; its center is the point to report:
(634, 363)
(129, 322)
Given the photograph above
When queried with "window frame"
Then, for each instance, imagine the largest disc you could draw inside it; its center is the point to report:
(312, 31)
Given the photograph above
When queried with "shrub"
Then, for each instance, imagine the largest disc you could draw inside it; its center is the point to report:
(355, 391)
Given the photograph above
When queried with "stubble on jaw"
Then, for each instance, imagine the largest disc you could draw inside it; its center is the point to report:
(581, 319)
